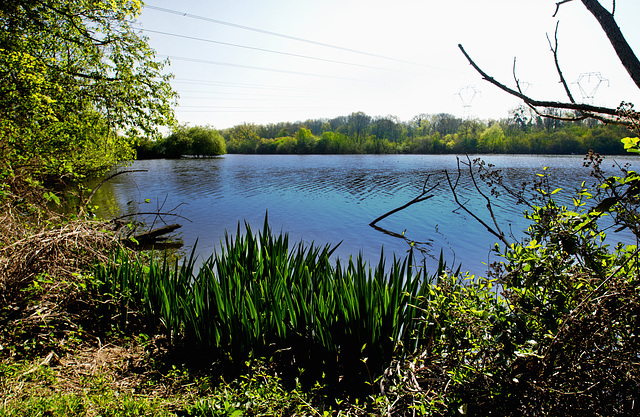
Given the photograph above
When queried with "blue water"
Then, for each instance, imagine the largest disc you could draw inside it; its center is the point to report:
(332, 199)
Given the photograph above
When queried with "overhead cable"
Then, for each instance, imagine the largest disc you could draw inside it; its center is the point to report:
(252, 67)
(280, 35)
(270, 51)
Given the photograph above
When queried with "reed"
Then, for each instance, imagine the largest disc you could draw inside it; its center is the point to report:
(262, 297)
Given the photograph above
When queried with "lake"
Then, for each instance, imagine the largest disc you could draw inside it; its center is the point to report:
(333, 198)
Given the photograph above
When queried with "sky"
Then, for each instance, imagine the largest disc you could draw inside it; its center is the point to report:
(257, 61)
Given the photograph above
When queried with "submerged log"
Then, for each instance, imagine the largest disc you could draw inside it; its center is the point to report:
(155, 238)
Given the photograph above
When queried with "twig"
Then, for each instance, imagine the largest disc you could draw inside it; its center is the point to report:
(558, 6)
(151, 213)
(498, 233)
(107, 179)
(422, 197)
(489, 206)
(555, 58)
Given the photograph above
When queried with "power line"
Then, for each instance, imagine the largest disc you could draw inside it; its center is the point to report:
(280, 35)
(270, 51)
(241, 85)
(225, 109)
(234, 94)
(252, 67)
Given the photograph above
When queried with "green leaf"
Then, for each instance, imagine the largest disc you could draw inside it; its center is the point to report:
(631, 144)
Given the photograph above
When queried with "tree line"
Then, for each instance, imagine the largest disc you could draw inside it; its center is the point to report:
(520, 133)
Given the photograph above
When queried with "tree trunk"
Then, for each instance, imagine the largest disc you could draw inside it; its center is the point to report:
(619, 43)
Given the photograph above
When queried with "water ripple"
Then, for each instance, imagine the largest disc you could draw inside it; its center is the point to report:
(329, 199)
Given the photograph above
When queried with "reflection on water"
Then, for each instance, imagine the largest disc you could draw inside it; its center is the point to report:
(332, 199)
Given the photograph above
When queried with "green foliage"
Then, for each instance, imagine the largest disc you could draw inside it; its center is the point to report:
(260, 298)
(258, 392)
(195, 141)
(558, 333)
(575, 298)
(79, 85)
(631, 144)
(466, 323)
(427, 134)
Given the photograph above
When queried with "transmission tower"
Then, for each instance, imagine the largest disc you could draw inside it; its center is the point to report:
(466, 95)
(588, 83)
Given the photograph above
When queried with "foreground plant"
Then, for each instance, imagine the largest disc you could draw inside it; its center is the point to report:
(260, 298)
(558, 336)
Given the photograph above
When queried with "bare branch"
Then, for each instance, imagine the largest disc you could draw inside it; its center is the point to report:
(453, 185)
(151, 213)
(558, 6)
(422, 197)
(604, 114)
(610, 27)
(107, 179)
(515, 77)
(487, 199)
(554, 49)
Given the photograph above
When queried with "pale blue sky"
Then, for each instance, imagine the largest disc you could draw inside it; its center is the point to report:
(397, 58)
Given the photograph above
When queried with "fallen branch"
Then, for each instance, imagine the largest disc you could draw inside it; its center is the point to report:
(453, 185)
(422, 197)
(155, 238)
(156, 233)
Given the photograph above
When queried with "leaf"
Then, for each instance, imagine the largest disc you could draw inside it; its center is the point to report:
(51, 197)
(631, 144)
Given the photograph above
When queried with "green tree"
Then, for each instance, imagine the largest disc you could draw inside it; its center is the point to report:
(178, 143)
(358, 123)
(79, 87)
(206, 141)
(492, 139)
(243, 138)
(306, 142)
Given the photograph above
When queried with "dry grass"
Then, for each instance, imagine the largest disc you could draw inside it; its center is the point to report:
(49, 329)
(61, 251)
(36, 241)
(43, 256)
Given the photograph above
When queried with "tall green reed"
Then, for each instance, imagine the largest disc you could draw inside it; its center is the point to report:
(261, 296)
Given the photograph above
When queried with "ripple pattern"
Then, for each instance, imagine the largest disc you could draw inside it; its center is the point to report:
(332, 199)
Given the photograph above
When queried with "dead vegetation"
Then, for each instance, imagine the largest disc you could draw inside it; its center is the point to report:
(43, 255)
(49, 317)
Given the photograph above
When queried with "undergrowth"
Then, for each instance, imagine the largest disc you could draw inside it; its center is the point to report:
(269, 328)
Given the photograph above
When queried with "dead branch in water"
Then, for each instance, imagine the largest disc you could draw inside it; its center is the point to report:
(496, 231)
(422, 197)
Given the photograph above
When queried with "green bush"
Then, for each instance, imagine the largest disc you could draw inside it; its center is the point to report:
(559, 336)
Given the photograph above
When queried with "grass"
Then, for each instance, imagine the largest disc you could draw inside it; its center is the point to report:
(43, 389)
